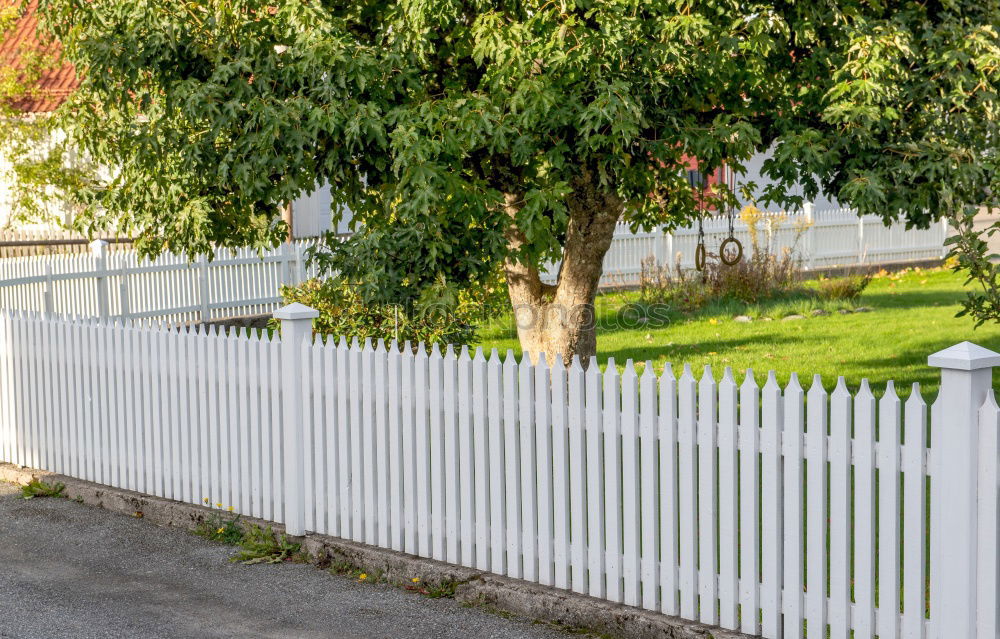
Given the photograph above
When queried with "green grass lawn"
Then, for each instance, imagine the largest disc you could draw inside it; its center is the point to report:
(912, 315)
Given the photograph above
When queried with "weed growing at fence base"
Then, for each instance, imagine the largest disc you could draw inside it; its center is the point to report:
(263, 546)
(912, 314)
(226, 531)
(38, 488)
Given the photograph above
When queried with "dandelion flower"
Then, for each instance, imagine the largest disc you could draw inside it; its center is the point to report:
(220, 531)
(362, 577)
(415, 580)
(205, 499)
(230, 509)
(218, 505)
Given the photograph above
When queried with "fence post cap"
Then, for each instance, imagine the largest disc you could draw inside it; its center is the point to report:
(965, 356)
(295, 311)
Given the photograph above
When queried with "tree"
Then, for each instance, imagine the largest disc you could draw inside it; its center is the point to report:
(468, 135)
(35, 169)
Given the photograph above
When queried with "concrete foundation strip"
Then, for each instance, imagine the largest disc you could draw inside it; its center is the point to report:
(534, 601)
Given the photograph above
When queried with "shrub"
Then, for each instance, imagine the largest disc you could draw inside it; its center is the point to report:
(848, 287)
(681, 290)
(262, 546)
(38, 488)
(342, 312)
(760, 276)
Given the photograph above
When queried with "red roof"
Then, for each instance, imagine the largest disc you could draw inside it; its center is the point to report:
(55, 84)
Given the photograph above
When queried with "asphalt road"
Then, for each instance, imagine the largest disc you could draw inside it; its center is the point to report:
(68, 570)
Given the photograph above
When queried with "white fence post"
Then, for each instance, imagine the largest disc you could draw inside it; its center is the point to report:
(99, 249)
(966, 378)
(296, 328)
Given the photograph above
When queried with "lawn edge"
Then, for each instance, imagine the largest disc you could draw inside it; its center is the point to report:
(496, 593)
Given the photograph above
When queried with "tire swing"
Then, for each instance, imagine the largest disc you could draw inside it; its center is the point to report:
(731, 241)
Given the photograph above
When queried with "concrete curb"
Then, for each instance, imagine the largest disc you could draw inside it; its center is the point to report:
(567, 609)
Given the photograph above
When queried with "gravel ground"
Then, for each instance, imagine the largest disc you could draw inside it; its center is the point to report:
(68, 570)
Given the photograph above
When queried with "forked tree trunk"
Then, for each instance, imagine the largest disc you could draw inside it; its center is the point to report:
(559, 319)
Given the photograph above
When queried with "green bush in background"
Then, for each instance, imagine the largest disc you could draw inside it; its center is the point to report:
(441, 316)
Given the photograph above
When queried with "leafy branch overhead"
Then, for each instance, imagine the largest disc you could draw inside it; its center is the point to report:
(465, 135)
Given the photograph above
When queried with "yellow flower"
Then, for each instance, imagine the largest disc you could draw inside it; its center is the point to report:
(220, 531)
(713, 321)
(230, 509)
(415, 580)
(205, 499)
(362, 577)
(219, 505)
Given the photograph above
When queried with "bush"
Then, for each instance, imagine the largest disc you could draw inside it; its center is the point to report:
(342, 312)
(848, 287)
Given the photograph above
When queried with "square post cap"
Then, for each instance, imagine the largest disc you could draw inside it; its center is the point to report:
(965, 356)
(296, 311)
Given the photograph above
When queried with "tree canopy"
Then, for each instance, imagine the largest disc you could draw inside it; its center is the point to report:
(468, 134)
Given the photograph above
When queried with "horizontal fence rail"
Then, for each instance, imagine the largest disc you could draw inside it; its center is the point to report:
(829, 238)
(777, 511)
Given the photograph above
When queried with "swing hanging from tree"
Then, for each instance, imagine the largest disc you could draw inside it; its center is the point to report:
(730, 250)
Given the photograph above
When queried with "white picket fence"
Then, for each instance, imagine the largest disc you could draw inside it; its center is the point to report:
(837, 237)
(764, 509)
(118, 284)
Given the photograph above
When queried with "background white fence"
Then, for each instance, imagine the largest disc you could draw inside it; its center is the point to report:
(783, 512)
(118, 284)
(836, 237)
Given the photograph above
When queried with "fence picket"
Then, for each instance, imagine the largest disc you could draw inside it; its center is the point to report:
(466, 457)
(648, 520)
(750, 523)
(888, 513)
(409, 450)
(502, 391)
(816, 513)
(988, 520)
(508, 398)
(630, 471)
(667, 430)
(483, 372)
(728, 502)
(839, 612)
(707, 491)
(396, 450)
(543, 470)
(914, 535)
(449, 472)
(578, 470)
(422, 452)
(771, 511)
(435, 471)
(595, 482)
(794, 420)
(864, 513)
(688, 486)
(560, 468)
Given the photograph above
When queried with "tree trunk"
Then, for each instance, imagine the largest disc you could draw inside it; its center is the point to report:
(559, 319)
